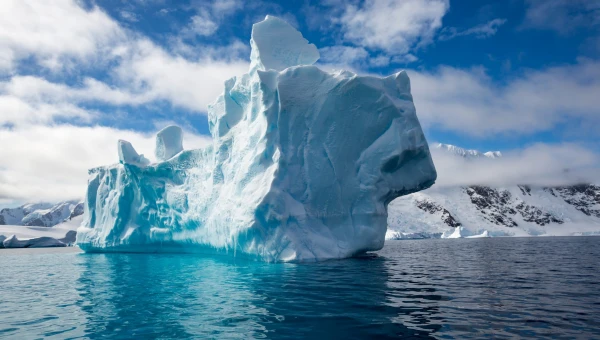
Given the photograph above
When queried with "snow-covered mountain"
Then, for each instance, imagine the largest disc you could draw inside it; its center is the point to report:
(513, 210)
(41, 214)
(458, 151)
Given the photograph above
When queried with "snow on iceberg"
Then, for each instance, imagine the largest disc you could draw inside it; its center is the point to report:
(128, 155)
(302, 166)
(169, 142)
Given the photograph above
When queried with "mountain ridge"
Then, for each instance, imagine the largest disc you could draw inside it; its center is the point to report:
(466, 153)
(510, 210)
(41, 214)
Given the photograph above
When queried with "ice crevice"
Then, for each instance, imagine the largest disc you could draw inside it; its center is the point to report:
(294, 172)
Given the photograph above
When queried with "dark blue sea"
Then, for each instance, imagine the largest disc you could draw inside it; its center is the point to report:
(465, 288)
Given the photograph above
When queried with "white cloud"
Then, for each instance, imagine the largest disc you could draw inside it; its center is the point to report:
(468, 102)
(209, 17)
(165, 11)
(539, 164)
(383, 60)
(343, 54)
(405, 58)
(7, 57)
(189, 84)
(480, 31)
(147, 75)
(129, 16)
(222, 8)
(52, 31)
(39, 90)
(144, 73)
(16, 111)
(141, 71)
(50, 163)
(392, 26)
(202, 24)
(563, 16)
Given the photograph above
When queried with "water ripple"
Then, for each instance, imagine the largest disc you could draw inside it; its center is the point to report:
(484, 288)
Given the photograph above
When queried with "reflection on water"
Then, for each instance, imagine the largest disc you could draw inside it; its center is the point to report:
(421, 289)
(182, 296)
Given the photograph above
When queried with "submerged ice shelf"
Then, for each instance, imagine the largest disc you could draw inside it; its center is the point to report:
(302, 165)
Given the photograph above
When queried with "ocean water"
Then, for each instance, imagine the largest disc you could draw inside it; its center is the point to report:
(465, 288)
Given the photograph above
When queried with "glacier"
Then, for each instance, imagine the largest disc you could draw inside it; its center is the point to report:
(302, 166)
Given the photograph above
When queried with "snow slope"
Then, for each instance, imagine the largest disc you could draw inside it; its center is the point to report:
(15, 216)
(302, 165)
(41, 214)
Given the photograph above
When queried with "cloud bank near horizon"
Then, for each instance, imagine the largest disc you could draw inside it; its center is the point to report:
(546, 165)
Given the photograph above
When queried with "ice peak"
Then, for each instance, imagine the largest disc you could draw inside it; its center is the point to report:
(276, 45)
(168, 142)
(493, 154)
(458, 151)
(128, 155)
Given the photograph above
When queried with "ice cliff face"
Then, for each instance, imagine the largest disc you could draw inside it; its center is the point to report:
(302, 166)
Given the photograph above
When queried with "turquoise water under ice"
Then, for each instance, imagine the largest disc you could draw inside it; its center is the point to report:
(504, 287)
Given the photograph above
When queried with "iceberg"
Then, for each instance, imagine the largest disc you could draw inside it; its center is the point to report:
(302, 166)
(60, 235)
(39, 242)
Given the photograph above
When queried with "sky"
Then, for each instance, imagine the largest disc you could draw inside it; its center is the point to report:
(519, 76)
